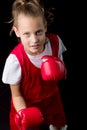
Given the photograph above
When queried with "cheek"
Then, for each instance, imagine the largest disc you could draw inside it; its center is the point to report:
(24, 40)
(43, 39)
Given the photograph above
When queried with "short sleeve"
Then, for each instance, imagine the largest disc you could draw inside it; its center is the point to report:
(12, 70)
(62, 49)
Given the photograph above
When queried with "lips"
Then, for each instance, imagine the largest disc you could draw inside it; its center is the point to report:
(35, 46)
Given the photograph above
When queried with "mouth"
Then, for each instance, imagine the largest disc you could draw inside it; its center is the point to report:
(35, 46)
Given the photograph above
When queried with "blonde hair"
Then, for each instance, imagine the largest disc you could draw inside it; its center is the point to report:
(32, 8)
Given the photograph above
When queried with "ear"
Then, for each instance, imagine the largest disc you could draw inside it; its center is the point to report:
(16, 31)
(45, 27)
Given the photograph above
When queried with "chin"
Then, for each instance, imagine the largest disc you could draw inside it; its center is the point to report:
(34, 53)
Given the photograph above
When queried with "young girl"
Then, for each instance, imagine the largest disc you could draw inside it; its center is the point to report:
(32, 96)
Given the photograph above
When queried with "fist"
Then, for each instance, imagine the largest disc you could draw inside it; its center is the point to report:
(28, 117)
(52, 68)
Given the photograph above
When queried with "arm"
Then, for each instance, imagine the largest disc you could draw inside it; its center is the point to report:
(25, 116)
(17, 98)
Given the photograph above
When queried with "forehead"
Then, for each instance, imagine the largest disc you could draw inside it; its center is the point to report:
(27, 19)
(23, 17)
(29, 24)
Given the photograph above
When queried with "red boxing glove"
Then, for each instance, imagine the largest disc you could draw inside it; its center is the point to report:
(28, 117)
(52, 68)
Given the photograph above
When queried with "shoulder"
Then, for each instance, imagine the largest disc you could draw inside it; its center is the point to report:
(11, 59)
(52, 36)
(19, 52)
(12, 70)
(17, 48)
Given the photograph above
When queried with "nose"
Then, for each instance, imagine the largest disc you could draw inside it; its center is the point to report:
(34, 38)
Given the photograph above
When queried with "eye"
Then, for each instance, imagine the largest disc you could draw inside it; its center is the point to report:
(39, 32)
(26, 34)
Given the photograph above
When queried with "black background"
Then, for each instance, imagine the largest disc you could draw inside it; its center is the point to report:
(69, 24)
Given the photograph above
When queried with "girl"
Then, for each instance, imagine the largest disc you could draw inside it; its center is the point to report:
(22, 70)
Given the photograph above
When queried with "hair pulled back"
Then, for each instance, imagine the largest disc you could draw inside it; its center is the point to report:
(32, 8)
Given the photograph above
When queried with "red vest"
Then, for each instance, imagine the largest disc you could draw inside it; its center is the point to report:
(33, 87)
(37, 91)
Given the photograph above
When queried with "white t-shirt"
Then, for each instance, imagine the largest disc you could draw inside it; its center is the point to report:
(12, 69)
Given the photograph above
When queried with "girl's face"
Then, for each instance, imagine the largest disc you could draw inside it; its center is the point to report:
(31, 31)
